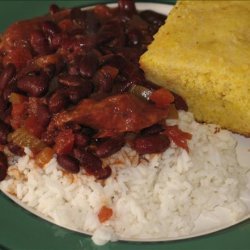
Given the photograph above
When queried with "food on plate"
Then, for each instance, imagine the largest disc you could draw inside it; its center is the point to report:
(203, 54)
(67, 87)
(90, 144)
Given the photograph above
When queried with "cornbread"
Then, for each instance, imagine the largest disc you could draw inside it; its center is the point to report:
(203, 54)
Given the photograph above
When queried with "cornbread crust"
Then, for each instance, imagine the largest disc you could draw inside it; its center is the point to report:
(203, 54)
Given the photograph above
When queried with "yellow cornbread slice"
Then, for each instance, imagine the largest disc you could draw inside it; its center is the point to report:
(203, 54)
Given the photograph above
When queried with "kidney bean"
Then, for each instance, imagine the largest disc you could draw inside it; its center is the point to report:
(179, 103)
(109, 147)
(88, 65)
(6, 75)
(53, 9)
(69, 163)
(56, 40)
(134, 37)
(3, 166)
(70, 80)
(73, 69)
(91, 163)
(152, 130)
(3, 106)
(15, 149)
(58, 101)
(81, 140)
(39, 42)
(104, 78)
(127, 6)
(10, 88)
(153, 17)
(102, 11)
(34, 85)
(150, 144)
(43, 115)
(103, 173)
(50, 28)
(103, 37)
(5, 129)
(78, 16)
(86, 19)
(75, 94)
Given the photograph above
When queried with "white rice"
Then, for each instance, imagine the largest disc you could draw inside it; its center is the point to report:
(159, 196)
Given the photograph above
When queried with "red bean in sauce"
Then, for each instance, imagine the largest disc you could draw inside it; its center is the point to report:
(34, 85)
(6, 76)
(80, 54)
(5, 129)
(109, 147)
(3, 166)
(69, 163)
(150, 144)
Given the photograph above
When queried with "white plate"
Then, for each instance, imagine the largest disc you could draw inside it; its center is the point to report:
(243, 153)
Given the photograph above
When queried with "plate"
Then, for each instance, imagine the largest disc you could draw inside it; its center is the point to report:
(31, 232)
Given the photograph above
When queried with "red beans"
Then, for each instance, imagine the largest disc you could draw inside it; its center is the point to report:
(3, 166)
(15, 149)
(179, 103)
(75, 94)
(3, 107)
(39, 42)
(104, 173)
(6, 76)
(86, 19)
(70, 80)
(134, 37)
(69, 163)
(78, 88)
(74, 55)
(92, 164)
(154, 129)
(150, 144)
(155, 20)
(58, 101)
(50, 28)
(109, 147)
(53, 9)
(5, 129)
(153, 17)
(127, 6)
(104, 78)
(81, 140)
(34, 85)
(88, 65)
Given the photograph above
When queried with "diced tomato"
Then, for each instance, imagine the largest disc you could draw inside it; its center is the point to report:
(162, 98)
(33, 126)
(104, 214)
(64, 142)
(178, 136)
